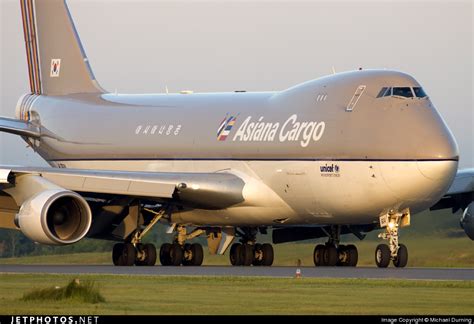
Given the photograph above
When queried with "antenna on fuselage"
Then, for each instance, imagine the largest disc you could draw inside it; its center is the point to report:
(166, 88)
(333, 70)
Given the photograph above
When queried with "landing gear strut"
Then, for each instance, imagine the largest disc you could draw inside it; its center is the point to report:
(395, 252)
(135, 252)
(334, 254)
(180, 252)
(248, 252)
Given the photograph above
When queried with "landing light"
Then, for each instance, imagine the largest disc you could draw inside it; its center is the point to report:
(391, 225)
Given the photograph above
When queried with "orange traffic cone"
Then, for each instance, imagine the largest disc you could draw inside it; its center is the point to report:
(298, 270)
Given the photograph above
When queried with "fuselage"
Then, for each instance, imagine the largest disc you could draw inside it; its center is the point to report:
(305, 157)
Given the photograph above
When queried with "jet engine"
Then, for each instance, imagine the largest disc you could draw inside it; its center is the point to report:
(467, 220)
(55, 217)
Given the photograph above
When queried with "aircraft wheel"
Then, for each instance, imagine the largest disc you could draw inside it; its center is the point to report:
(318, 255)
(197, 254)
(235, 254)
(176, 254)
(330, 255)
(165, 258)
(267, 250)
(187, 255)
(402, 257)
(117, 254)
(124, 254)
(342, 256)
(258, 258)
(352, 254)
(247, 254)
(382, 255)
(150, 255)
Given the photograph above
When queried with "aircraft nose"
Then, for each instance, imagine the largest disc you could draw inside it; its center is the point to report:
(441, 156)
(442, 172)
(439, 145)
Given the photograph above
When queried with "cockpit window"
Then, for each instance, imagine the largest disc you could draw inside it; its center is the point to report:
(385, 92)
(402, 92)
(419, 92)
(382, 92)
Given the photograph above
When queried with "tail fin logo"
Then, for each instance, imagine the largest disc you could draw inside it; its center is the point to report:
(55, 68)
(225, 127)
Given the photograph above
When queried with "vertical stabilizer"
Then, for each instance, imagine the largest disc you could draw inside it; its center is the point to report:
(57, 63)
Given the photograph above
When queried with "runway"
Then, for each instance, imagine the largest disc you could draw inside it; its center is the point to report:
(278, 272)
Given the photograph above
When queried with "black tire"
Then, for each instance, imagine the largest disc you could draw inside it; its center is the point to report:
(150, 254)
(187, 255)
(165, 258)
(353, 255)
(117, 253)
(342, 257)
(258, 251)
(176, 254)
(247, 254)
(268, 255)
(235, 254)
(382, 255)
(330, 255)
(318, 255)
(140, 249)
(402, 257)
(198, 254)
(129, 254)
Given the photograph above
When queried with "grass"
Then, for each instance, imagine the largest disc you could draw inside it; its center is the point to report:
(85, 292)
(427, 251)
(241, 295)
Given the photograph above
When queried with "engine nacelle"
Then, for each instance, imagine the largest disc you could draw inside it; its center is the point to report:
(55, 217)
(467, 220)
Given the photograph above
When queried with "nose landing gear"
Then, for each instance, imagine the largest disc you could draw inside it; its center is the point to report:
(395, 252)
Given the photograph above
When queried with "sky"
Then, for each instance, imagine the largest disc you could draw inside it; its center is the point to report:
(208, 46)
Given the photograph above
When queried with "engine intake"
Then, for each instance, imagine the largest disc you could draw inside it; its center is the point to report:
(467, 220)
(55, 217)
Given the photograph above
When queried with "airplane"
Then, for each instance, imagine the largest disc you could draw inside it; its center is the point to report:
(347, 153)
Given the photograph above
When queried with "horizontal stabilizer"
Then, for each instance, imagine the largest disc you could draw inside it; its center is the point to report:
(19, 127)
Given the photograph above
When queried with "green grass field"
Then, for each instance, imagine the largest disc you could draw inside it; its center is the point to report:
(433, 241)
(423, 252)
(242, 295)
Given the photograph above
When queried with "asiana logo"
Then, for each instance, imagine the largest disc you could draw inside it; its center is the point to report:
(225, 127)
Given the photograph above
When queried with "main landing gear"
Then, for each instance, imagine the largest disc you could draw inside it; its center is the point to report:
(180, 252)
(128, 254)
(248, 252)
(135, 252)
(395, 252)
(334, 254)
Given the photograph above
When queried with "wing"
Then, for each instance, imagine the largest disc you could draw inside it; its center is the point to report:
(460, 194)
(200, 190)
(19, 127)
(61, 206)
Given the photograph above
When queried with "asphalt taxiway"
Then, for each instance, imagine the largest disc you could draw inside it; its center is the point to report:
(282, 272)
